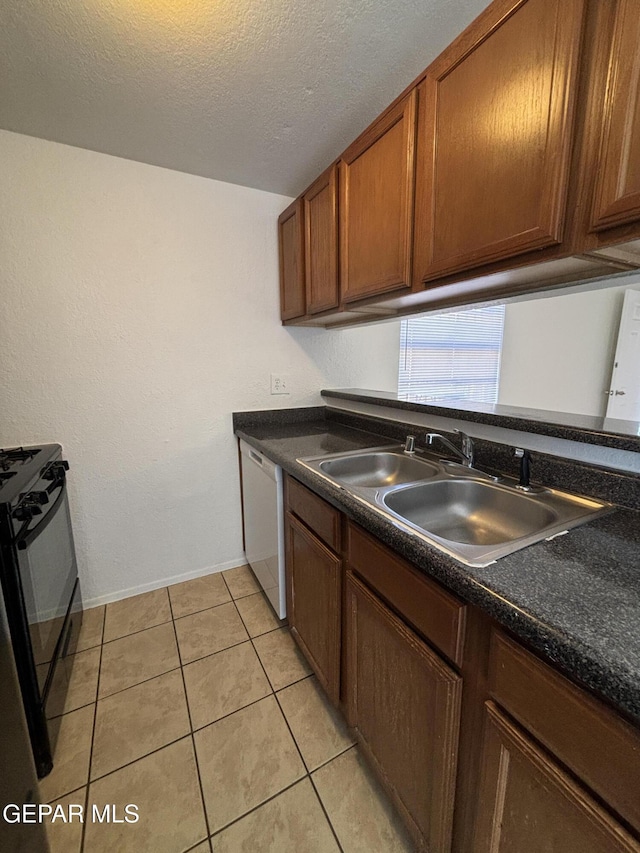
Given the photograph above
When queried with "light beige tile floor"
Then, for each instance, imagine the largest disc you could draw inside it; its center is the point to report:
(281, 658)
(222, 683)
(136, 658)
(137, 721)
(319, 730)
(209, 631)
(207, 719)
(136, 613)
(198, 594)
(257, 614)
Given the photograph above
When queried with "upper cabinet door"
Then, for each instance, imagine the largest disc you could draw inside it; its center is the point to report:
(291, 245)
(617, 194)
(376, 205)
(494, 138)
(321, 242)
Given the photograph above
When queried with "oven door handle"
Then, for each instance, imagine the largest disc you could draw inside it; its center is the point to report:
(23, 540)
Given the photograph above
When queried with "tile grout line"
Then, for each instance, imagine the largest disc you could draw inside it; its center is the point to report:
(325, 812)
(333, 758)
(293, 737)
(93, 735)
(144, 681)
(172, 618)
(272, 692)
(262, 633)
(133, 633)
(304, 763)
(252, 640)
(191, 732)
(173, 669)
(258, 806)
(161, 675)
(308, 775)
(140, 758)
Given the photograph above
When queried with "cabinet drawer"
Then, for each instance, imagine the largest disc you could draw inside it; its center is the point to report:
(432, 611)
(588, 737)
(317, 514)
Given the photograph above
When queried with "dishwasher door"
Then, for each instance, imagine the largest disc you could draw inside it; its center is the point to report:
(263, 508)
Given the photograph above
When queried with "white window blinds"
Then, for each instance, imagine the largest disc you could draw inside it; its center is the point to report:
(454, 356)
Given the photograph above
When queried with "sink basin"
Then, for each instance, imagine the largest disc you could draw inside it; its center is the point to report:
(459, 510)
(478, 521)
(470, 511)
(377, 469)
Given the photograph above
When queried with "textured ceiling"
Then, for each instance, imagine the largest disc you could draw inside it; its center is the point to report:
(263, 94)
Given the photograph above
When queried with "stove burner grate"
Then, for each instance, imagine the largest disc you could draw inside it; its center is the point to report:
(8, 458)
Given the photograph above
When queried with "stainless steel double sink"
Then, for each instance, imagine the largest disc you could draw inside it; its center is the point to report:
(470, 515)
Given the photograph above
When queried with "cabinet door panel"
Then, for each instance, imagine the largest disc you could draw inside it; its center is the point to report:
(617, 195)
(496, 114)
(376, 206)
(316, 612)
(321, 242)
(404, 702)
(527, 803)
(291, 247)
(589, 738)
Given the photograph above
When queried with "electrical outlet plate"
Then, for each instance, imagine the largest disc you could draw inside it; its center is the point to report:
(279, 383)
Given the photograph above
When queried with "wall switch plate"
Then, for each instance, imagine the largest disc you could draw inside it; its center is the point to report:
(279, 383)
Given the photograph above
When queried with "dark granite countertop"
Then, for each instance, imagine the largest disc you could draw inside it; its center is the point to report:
(576, 599)
(604, 432)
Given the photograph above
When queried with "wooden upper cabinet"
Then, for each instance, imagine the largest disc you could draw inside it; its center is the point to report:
(495, 137)
(321, 242)
(376, 205)
(291, 247)
(617, 192)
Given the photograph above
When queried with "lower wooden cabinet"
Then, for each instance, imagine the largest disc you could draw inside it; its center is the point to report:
(404, 703)
(543, 766)
(315, 610)
(527, 803)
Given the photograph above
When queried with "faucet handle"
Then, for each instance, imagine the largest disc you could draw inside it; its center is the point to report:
(468, 448)
(525, 468)
(410, 444)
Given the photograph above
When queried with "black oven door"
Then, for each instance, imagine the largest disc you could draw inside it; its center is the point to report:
(48, 572)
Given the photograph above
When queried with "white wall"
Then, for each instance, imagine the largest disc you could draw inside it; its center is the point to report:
(139, 309)
(557, 352)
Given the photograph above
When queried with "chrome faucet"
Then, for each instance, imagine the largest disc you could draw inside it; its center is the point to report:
(466, 453)
(410, 445)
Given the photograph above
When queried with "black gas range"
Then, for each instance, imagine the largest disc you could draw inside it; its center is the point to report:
(39, 579)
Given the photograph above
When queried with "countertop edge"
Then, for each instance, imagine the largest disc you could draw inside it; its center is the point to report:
(506, 420)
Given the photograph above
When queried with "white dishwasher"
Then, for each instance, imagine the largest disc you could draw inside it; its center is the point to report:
(263, 508)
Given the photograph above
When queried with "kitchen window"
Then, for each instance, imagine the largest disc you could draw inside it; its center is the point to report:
(452, 356)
